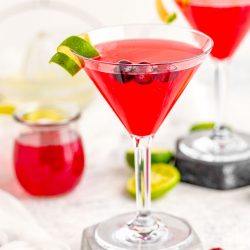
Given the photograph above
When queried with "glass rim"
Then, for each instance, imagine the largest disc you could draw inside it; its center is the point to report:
(73, 110)
(216, 3)
(204, 53)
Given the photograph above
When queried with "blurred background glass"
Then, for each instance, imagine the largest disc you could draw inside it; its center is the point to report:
(31, 31)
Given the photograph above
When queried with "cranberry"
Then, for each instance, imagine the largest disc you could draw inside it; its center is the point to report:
(216, 248)
(166, 73)
(123, 71)
(144, 73)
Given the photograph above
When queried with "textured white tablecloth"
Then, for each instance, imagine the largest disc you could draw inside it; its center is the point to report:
(221, 218)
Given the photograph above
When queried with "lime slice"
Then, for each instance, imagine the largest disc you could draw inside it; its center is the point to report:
(164, 178)
(66, 58)
(165, 16)
(157, 156)
(206, 126)
(202, 126)
(7, 109)
(44, 115)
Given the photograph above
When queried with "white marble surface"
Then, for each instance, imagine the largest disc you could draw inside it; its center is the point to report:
(220, 218)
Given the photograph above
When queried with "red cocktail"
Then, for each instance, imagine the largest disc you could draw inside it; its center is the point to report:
(140, 92)
(227, 23)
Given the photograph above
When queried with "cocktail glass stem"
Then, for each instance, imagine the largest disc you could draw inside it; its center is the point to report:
(144, 225)
(220, 93)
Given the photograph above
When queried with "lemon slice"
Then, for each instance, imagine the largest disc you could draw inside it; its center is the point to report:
(44, 115)
(158, 155)
(163, 178)
(7, 109)
(165, 16)
(66, 58)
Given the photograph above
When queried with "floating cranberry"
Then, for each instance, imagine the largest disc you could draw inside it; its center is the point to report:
(216, 248)
(122, 72)
(166, 73)
(144, 73)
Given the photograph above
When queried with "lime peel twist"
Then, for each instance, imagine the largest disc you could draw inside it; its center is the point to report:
(66, 53)
(164, 14)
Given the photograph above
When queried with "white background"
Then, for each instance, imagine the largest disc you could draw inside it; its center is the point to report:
(221, 218)
(21, 28)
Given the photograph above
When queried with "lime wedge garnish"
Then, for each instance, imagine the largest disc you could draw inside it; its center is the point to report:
(66, 58)
(206, 126)
(157, 156)
(164, 178)
(171, 18)
(7, 109)
(202, 126)
(44, 115)
(165, 16)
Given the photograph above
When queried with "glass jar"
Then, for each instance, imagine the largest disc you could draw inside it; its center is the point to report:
(48, 150)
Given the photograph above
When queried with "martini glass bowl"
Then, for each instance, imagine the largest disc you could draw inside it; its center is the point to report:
(141, 72)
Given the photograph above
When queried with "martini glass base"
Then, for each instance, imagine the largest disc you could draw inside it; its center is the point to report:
(113, 235)
(201, 163)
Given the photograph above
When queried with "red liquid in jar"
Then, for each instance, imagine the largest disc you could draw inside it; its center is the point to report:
(49, 163)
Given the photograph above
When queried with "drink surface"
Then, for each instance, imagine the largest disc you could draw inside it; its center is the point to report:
(48, 163)
(142, 95)
(150, 50)
(226, 22)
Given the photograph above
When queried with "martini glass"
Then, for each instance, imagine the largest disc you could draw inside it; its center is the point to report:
(227, 23)
(141, 72)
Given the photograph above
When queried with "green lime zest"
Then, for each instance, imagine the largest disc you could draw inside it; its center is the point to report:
(164, 13)
(202, 126)
(66, 62)
(207, 126)
(80, 46)
(69, 53)
(164, 177)
(171, 18)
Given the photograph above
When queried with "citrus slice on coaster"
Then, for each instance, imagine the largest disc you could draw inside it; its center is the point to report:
(163, 178)
(158, 155)
(202, 126)
(165, 16)
(207, 126)
(66, 58)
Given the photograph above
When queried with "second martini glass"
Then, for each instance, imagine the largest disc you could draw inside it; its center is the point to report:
(227, 22)
(141, 72)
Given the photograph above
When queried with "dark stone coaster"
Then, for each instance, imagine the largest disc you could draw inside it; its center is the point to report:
(223, 176)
